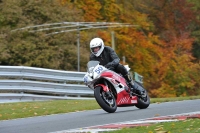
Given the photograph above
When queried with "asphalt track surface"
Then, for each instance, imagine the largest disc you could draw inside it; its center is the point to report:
(60, 122)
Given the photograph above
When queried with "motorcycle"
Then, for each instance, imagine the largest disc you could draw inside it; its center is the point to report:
(111, 89)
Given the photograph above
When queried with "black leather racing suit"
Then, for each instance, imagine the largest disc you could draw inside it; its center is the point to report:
(110, 60)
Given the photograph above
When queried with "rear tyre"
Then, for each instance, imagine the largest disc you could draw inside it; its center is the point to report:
(143, 102)
(107, 103)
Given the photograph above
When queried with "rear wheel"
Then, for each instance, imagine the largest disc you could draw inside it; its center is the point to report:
(105, 101)
(143, 101)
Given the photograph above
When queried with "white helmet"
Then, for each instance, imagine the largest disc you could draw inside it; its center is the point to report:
(96, 42)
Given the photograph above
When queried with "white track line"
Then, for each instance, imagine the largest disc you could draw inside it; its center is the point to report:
(85, 130)
(98, 128)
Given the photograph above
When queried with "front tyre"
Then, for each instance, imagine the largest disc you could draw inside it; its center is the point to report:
(107, 103)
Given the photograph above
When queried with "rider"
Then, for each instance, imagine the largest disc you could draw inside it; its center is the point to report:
(109, 59)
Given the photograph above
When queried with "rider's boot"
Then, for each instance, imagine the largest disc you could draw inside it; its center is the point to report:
(134, 88)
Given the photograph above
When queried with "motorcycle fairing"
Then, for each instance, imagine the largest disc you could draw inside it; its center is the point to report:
(115, 79)
(105, 88)
(123, 98)
(113, 75)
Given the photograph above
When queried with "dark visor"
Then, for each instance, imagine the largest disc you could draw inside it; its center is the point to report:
(95, 47)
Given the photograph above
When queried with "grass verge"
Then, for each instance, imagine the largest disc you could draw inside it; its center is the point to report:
(30, 109)
(186, 126)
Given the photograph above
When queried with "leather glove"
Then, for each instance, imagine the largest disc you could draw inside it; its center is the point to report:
(109, 67)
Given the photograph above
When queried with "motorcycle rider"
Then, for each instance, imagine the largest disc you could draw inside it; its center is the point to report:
(109, 59)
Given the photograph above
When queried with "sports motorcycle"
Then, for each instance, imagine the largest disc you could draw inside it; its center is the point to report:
(111, 90)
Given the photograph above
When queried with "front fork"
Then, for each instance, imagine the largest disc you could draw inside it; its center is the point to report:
(105, 88)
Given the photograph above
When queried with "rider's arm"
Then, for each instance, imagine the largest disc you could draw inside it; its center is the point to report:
(114, 57)
(92, 57)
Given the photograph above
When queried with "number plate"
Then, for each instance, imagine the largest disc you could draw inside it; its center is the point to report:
(98, 70)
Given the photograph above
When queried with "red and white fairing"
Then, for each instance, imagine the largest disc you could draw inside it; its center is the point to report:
(119, 83)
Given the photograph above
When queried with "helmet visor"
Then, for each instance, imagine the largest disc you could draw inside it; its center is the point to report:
(95, 49)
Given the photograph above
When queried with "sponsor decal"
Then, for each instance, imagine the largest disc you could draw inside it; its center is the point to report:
(116, 77)
(133, 101)
(113, 81)
(123, 100)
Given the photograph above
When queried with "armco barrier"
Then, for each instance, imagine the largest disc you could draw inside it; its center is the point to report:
(20, 82)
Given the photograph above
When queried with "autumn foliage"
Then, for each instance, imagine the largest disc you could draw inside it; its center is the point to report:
(158, 45)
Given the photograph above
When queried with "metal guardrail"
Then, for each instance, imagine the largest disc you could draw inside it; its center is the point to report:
(20, 82)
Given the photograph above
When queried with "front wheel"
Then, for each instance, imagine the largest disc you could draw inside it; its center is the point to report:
(105, 101)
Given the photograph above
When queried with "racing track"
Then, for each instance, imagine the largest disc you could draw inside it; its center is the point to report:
(52, 123)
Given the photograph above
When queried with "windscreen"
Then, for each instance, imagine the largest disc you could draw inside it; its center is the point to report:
(92, 64)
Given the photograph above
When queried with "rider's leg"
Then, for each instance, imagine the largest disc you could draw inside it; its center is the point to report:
(134, 88)
(121, 69)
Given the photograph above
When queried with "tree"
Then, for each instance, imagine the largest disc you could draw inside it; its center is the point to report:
(173, 21)
(196, 30)
(160, 46)
(36, 49)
